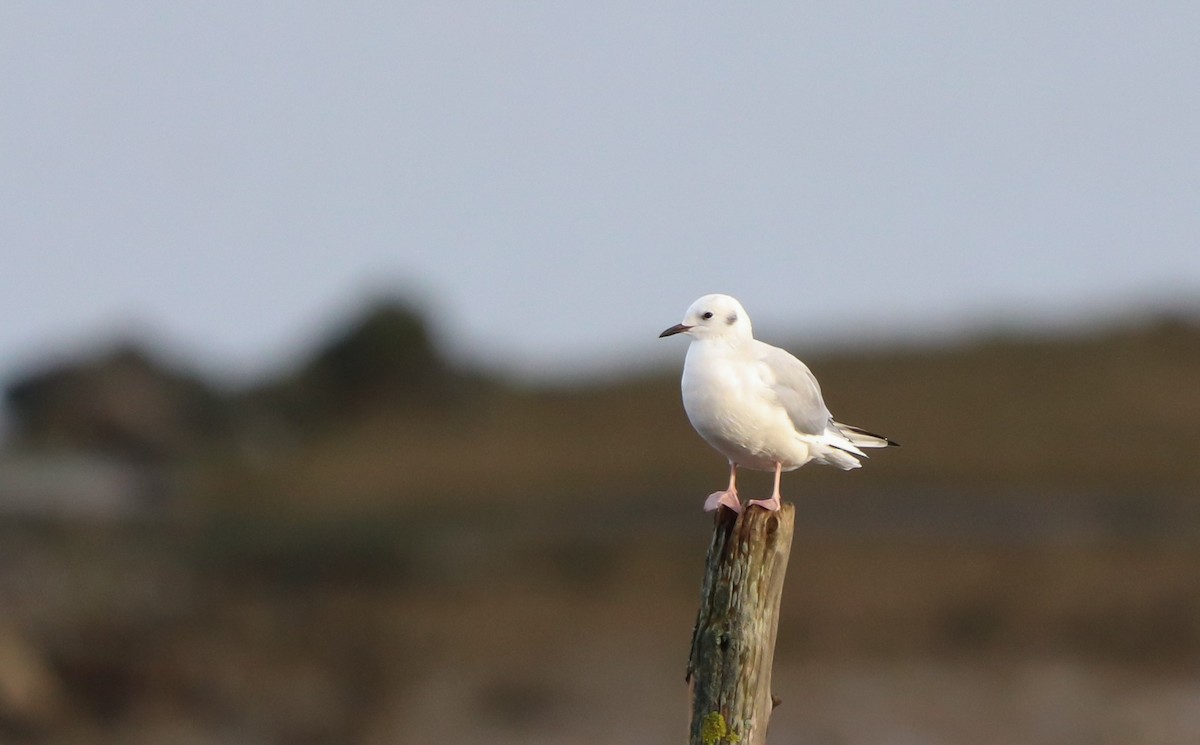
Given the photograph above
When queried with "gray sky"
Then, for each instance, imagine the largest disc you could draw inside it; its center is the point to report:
(558, 181)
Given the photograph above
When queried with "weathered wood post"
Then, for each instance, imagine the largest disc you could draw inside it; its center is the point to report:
(733, 643)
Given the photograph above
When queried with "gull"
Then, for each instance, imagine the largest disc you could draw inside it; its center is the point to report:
(756, 404)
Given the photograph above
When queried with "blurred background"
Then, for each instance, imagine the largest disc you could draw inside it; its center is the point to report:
(334, 410)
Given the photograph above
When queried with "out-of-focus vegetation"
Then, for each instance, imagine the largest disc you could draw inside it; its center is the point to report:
(379, 547)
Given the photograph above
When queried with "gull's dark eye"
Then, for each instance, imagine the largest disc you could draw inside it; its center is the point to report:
(707, 315)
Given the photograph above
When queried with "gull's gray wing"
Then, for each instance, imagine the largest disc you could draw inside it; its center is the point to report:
(794, 387)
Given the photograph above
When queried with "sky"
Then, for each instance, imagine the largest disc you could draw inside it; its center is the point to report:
(554, 183)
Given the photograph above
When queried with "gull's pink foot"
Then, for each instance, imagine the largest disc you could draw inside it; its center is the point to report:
(726, 498)
(729, 497)
(771, 504)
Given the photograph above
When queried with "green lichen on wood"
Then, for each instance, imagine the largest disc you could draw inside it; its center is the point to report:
(714, 730)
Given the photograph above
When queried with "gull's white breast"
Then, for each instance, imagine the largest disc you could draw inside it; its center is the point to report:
(732, 408)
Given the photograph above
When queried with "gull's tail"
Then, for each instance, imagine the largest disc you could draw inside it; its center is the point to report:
(842, 443)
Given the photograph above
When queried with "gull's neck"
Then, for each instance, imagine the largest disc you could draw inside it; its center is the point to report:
(727, 341)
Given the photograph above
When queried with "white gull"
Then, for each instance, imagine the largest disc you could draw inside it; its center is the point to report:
(756, 404)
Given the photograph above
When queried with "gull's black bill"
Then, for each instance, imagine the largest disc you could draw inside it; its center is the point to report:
(678, 328)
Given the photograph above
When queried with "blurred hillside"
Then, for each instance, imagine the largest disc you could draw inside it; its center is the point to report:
(379, 547)
(377, 419)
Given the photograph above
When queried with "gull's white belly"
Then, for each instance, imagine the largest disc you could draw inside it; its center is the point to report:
(728, 408)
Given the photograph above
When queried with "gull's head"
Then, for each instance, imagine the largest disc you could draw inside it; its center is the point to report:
(713, 317)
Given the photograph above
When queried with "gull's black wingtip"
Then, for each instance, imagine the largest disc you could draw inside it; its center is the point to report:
(888, 442)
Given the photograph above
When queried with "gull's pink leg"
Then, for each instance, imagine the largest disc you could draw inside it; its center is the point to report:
(729, 497)
(771, 504)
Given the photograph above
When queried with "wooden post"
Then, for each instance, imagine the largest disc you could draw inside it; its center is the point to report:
(733, 643)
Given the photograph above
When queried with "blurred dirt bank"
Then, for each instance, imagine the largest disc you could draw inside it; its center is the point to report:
(376, 547)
